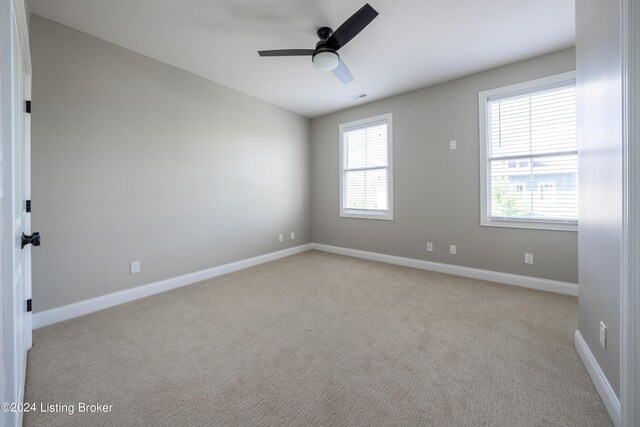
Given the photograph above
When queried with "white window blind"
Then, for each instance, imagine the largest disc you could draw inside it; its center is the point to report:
(530, 155)
(366, 168)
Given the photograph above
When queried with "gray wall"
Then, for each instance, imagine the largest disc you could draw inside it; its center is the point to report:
(437, 191)
(137, 160)
(600, 126)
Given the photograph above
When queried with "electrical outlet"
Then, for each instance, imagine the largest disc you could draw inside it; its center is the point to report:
(135, 267)
(528, 258)
(280, 238)
(293, 235)
(603, 335)
(452, 249)
(429, 247)
(453, 144)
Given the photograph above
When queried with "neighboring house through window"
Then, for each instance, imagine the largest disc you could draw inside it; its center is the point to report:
(366, 168)
(529, 154)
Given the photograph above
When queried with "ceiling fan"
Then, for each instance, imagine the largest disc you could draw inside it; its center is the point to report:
(325, 56)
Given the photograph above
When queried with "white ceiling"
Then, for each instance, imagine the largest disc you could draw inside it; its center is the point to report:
(411, 44)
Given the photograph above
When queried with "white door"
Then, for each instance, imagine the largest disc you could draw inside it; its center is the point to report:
(15, 186)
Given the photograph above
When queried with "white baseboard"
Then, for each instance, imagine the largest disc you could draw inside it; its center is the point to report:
(608, 396)
(80, 308)
(474, 273)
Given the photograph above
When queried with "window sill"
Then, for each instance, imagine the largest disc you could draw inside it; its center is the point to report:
(532, 225)
(385, 215)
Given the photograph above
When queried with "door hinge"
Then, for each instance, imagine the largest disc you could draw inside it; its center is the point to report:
(28, 305)
(27, 107)
(28, 206)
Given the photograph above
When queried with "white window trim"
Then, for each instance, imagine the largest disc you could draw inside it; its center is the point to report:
(483, 97)
(364, 213)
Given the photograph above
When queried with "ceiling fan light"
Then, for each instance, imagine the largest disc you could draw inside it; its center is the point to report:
(326, 61)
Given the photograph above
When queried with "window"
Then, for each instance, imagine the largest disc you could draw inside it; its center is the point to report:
(366, 168)
(529, 154)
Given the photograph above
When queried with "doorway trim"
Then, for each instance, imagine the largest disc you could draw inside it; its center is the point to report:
(630, 289)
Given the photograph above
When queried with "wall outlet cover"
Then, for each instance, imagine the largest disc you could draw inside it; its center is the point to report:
(528, 258)
(429, 247)
(280, 238)
(453, 144)
(135, 267)
(452, 249)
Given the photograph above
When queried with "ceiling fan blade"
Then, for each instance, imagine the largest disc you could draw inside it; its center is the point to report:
(342, 73)
(287, 52)
(351, 27)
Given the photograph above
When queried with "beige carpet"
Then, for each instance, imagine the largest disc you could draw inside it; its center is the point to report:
(321, 340)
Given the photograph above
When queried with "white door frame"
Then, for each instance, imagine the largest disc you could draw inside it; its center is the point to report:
(630, 289)
(15, 72)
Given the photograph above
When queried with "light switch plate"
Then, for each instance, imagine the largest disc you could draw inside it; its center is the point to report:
(603, 335)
